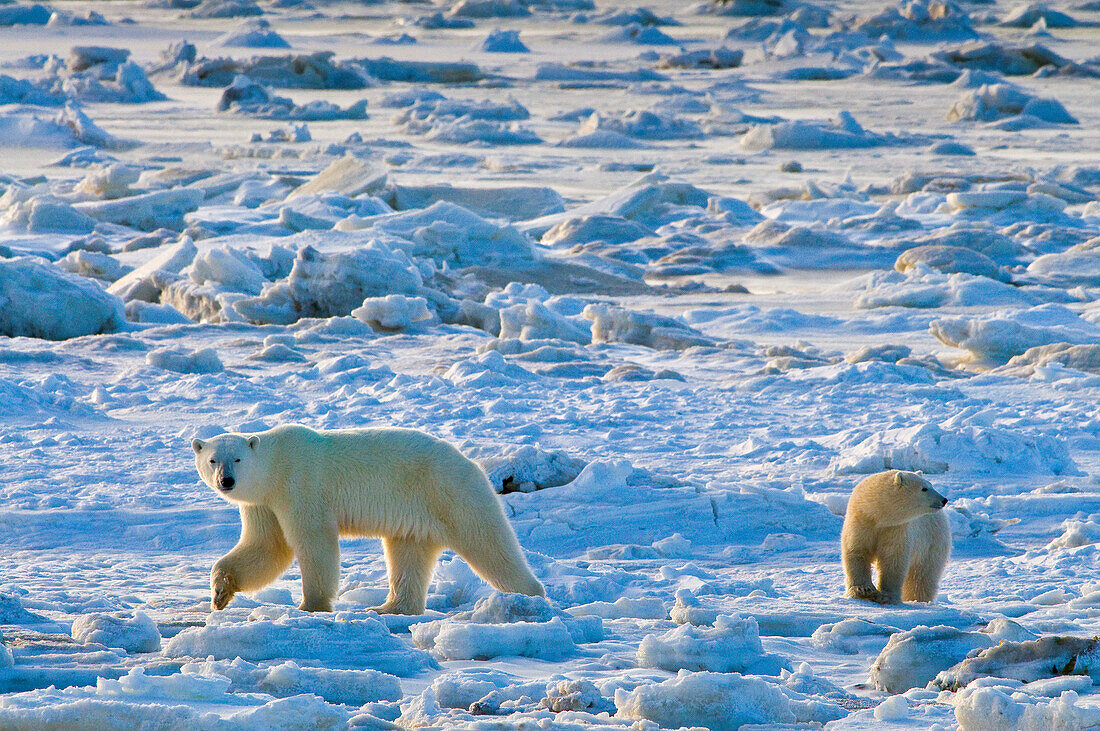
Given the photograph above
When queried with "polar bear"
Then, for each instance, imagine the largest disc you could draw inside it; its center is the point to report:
(299, 489)
(895, 520)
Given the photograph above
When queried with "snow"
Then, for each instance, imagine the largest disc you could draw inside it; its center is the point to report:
(676, 276)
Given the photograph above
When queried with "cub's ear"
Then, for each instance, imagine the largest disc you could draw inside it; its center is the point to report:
(253, 441)
(197, 445)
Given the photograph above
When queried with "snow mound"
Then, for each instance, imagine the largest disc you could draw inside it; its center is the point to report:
(291, 71)
(1025, 16)
(641, 124)
(950, 260)
(612, 324)
(704, 58)
(997, 337)
(528, 468)
(245, 96)
(506, 625)
(180, 360)
(1004, 706)
(394, 312)
(844, 133)
(1067, 269)
(502, 41)
(1084, 358)
(991, 56)
(917, 20)
(69, 127)
(137, 700)
(1026, 661)
(353, 687)
(922, 287)
(332, 285)
(40, 300)
(719, 702)
(348, 643)
(133, 632)
(911, 659)
(993, 102)
(936, 449)
(226, 9)
(252, 34)
(731, 645)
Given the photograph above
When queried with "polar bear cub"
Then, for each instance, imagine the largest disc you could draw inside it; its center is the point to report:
(299, 490)
(895, 520)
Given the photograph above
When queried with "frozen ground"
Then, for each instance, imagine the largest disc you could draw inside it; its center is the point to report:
(678, 276)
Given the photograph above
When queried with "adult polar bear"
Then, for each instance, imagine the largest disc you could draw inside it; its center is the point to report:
(299, 489)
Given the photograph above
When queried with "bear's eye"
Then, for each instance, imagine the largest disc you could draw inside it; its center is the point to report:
(236, 460)
(924, 489)
(213, 461)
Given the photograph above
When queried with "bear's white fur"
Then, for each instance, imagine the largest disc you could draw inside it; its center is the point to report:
(895, 520)
(299, 489)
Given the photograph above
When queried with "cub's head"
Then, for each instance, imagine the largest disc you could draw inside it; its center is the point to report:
(228, 463)
(896, 497)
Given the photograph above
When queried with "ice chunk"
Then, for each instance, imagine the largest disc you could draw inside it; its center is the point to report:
(354, 643)
(148, 211)
(912, 658)
(139, 284)
(936, 449)
(353, 687)
(245, 96)
(731, 645)
(997, 337)
(1025, 16)
(348, 176)
(181, 360)
(253, 34)
(132, 631)
(502, 41)
(842, 134)
(40, 300)
(611, 324)
(989, 103)
(950, 260)
(1046, 657)
(718, 701)
(393, 312)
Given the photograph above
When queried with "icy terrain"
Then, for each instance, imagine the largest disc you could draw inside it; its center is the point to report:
(677, 275)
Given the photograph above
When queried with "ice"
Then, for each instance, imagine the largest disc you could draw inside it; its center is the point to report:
(1027, 661)
(226, 9)
(1025, 16)
(343, 643)
(147, 211)
(503, 41)
(911, 659)
(950, 260)
(256, 33)
(938, 448)
(990, 103)
(134, 632)
(245, 96)
(731, 645)
(179, 360)
(996, 338)
(393, 312)
(353, 687)
(721, 701)
(841, 134)
(40, 300)
(619, 325)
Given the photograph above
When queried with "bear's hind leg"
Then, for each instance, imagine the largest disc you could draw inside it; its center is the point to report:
(410, 563)
(497, 558)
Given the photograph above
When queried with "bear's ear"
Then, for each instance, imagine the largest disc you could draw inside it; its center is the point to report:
(898, 481)
(920, 472)
(197, 445)
(253, 441)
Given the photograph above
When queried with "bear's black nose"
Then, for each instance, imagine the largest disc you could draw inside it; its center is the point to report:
(941, 504)
(228, 482)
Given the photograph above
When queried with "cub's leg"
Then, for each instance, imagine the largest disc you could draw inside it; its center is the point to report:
(410, 563)
(856, 557)
(260, 556)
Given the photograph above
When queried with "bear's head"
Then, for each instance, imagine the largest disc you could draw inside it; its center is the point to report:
(900, 496)
(228, 463)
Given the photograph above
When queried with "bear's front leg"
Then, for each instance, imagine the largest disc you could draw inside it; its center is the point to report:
(318, 552)
(223, 585)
